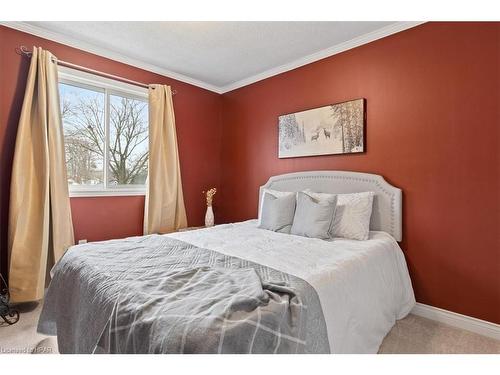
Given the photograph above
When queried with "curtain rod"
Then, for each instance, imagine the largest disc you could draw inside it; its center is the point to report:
(22, 50)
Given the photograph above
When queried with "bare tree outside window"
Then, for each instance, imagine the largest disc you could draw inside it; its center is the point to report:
(83, 114)
(128, 141)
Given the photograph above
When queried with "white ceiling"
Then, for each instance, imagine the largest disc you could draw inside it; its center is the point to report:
(219, 56)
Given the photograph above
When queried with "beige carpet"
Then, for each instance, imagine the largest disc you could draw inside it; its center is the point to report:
(22, 336)
(416, 335)
(410, 335)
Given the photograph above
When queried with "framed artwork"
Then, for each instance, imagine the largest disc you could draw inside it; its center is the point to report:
(329, 130)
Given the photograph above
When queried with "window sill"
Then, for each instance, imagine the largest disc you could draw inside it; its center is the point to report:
(105, 193)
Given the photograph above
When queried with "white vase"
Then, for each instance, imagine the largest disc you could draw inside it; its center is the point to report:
(209, 217)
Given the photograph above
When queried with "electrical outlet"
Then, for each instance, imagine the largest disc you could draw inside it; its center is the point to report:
(82, 241)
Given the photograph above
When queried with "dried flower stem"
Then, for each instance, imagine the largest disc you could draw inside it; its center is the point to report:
(210, 195)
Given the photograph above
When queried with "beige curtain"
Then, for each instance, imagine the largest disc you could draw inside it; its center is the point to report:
(164, 209)
(40, 226)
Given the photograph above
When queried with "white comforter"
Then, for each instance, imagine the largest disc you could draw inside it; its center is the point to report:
(363, 286)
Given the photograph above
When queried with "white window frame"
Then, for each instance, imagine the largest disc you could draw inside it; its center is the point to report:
(108, 87)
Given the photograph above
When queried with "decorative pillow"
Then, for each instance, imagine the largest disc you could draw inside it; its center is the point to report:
(324, 197)
(277, 213)
(352, 215)
(274, 193)
(313, 218)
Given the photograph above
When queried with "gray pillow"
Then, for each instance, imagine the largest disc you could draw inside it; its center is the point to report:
(320, 197)
(277, 213)
(313, 218)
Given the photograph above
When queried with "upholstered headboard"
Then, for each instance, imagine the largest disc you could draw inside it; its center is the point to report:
(387, 204)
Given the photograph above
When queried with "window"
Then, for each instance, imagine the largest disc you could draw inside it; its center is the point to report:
(106, 132)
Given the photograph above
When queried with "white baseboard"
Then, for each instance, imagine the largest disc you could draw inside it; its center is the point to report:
(468, 323)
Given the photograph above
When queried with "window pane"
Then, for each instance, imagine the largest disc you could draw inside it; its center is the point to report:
(82, 111)
(128, 141)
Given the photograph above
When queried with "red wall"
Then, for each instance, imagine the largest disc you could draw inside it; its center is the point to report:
(197, 113)
(432, 96)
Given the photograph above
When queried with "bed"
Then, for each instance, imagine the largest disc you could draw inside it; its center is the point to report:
(236, 288)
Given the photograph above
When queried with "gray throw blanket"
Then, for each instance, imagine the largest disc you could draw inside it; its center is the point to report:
(155, 294)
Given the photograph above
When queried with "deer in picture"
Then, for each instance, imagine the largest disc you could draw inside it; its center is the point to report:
(327, 133)
(315, 136)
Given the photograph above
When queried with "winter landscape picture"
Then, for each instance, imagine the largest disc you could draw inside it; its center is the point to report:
(333, 129)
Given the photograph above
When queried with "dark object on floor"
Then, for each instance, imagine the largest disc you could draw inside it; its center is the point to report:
(9, 315)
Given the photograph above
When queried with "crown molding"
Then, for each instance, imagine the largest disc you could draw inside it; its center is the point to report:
(338, 48)
(104, 52)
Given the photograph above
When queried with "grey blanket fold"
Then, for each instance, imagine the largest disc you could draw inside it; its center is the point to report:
(155, 294)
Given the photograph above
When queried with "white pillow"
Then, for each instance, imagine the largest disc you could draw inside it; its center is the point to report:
(274, 193)
(352, 215)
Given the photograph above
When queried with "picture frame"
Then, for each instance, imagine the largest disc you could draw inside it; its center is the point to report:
(335, 129)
